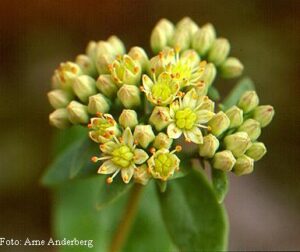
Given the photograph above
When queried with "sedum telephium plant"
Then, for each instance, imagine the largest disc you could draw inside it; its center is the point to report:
(154, 116)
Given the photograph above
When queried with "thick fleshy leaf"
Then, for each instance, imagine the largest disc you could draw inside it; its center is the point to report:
(243, 85)
(108, 193)
(193, 217)
(220, 183)
(73, 162)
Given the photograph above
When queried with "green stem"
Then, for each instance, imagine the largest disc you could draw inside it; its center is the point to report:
(125, 224)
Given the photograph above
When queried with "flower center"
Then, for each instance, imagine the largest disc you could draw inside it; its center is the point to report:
(122, 156)
(181, 72)
(164, 164)
(185, 118)
(161, 91)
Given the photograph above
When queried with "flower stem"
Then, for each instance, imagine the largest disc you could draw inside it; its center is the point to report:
(125, 224)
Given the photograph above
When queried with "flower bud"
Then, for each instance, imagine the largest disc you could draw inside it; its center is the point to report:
(104, 47)
(235, 116)
(160, 117)
(59, 118)
(106, 85)
(86, 64)
(219, 123)
(209, 74)
(158, 39)
(181, 39)
(252, 128)
(144, 135)
(59, 98)
(237, 143)
(117, 44)
(139, 55)
(219, 51)
(141, 175)
(231, 68)
(191, 58)
(203, 39)
(77, 113)
(187, 24)
(209, 146)
(243, 165)
(223, 160)
(167, 27)
(248, 101)
(66, 73)
(207, 104)
(125, 70)
(130, 96)
(257, 151)
(98, 103)
(162, 141)
(84, 86)
(55, 80)
(91, 50)
(103, 61)
(128, 118)
(263, 114)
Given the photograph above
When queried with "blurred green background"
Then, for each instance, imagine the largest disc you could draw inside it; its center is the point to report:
(35, 36)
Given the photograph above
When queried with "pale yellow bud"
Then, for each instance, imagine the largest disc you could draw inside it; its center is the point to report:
(143, 135)
(77, 113)
(223, 160)
(59, 118)
(209, 146)
(130, 96)
(244, 165)
(219, 51)
(162, 141)
(128, 118)
(98, 103)
(59, 98)
(84, 86)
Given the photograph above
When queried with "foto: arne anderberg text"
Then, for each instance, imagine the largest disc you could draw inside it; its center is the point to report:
(50, 242)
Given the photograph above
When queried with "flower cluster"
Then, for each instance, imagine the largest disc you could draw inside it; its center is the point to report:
(139, 109)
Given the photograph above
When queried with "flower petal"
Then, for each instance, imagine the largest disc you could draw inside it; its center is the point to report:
(127, 173)
(204, 116)
(190, 99)
(108, 147)
(195, 135)
(147, 83)
(174, 106)
(140, 156)
(108, 167)
(128, 137)
(173, 131)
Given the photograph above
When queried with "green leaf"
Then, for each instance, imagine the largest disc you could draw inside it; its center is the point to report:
(109, 193)
(194, 218)
(73, 162)
(242, 86)
(220, 183)
(213, 94)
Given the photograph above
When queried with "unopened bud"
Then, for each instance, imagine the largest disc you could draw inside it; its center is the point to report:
(191, 58)
(59, 118)
(106, 85)
(160, 117)
(130, 96)
(207, 104)
(187, 24)
(103, 61)
(55, 80)
(59, 98)
(231, 68)
(162, 141)
(91, 50)
(209, 146)
(86, 64)
(203, 39)
(128, 118)
(237, 143)
(219, 51)
(84, 86)
(141, 175)
(209, 74)
(144, 135)
(98, 103)
(67, 72)
(139, 55)
(235, 116)
(257, 151)
(248, 101)
(125, 70)
(158, 39)
(263, 114)
(219, 123)
(117, 44)
(181, 39)
(77, 113)
(223, 160)
(243, 165)
(252, 128)
(167, 27)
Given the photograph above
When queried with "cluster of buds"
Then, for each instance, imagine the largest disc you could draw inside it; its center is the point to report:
(138, 109)
(232, 144)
